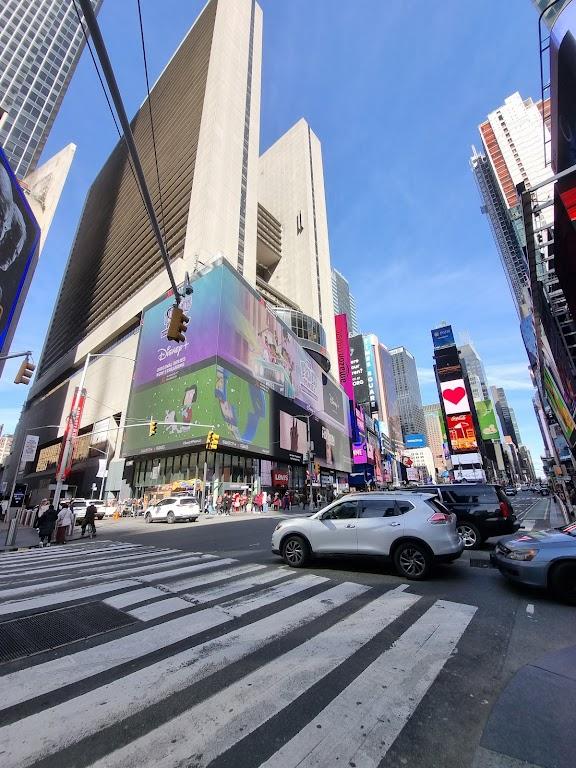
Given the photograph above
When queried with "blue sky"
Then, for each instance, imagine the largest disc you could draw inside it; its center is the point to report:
(395, 91)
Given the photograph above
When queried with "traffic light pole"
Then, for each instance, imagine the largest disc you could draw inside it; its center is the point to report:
(17, 354)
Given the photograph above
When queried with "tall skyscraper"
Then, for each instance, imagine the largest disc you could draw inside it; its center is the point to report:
(552, 12)
(408, 391)
(344, 301)
(40, 45)
(506, 415)
(291, 189)
(432, 418)
(474, 367)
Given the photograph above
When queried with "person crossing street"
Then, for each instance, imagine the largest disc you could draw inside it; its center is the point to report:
(89, 520)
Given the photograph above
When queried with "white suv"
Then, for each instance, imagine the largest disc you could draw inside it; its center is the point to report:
(172, 509)
(413, 529)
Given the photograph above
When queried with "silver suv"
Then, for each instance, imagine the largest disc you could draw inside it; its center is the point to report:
(413, 529)
(172, 509)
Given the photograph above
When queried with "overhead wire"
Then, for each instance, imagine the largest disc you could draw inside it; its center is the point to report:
(145, 58)
(106, 96)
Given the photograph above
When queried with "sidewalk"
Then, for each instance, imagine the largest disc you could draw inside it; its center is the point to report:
(26, 537)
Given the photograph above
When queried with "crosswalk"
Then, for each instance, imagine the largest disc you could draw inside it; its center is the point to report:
(214, 659)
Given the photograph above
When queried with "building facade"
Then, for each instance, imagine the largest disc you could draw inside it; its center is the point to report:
(432, 418)
(220, 206)
(474, 367)
(344, 301)
(40, 45)
(506, 415)
(408, 391)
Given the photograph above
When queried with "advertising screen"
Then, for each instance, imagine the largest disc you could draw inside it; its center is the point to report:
(293, 434)
(415, 440)
(442, 337)
(462, 434)
(358, 364)
(448, 364)
(237, 370)
(454, 396)
(19, 237)
(559, 407)
(370, 373)
(343, 350)
(487, 420)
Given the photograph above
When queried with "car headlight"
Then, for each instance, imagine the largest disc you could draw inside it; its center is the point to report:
(522, 554)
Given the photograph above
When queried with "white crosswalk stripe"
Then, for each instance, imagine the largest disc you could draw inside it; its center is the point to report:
(306, 628)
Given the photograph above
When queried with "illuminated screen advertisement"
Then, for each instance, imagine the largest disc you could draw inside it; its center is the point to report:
(461, 431)
(343, 350)
(442, 337)
(293, 434)
(238, 368)
(19, 236)
(454, 396)
(358, 365)
(487, 420)
(559, 407)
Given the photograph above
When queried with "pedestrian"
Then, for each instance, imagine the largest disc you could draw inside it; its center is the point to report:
(46, 525)
(286, 501)
(227, 503)
(40, 510)
(265, 501)
(89, 520)
(64, 521)
(296, 499)
(236, 503)
(276, 503)
(258, 502)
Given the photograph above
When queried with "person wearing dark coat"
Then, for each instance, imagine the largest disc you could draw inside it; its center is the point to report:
(46, 525)
(89, 519)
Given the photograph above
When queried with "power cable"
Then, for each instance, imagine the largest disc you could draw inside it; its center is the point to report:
(151, 121)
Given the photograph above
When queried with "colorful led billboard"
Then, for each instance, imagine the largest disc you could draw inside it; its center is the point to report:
(454, 396)
(239, 368)
(487, 420)
(19, 237)
(461, 431)
(343, 350)
(442, 337)
(358, 365)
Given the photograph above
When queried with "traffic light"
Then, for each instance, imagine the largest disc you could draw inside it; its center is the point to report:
(25, 372)
(178, 325)
(153, 426)
(212, 441)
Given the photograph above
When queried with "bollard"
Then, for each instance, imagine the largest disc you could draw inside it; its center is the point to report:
(11, 533)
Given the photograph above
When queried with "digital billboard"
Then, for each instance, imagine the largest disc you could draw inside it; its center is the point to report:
(487, 420)
(19, 238)
(461, 431)
(358, 364)
(442, 337)
(293, 433)
(238, 369)
(454, 396)
(448, 365)
(559, 407)
(370, 373)
(343, 350)
(415, 440)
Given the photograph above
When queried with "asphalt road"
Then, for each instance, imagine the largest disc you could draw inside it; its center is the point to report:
(232, 660)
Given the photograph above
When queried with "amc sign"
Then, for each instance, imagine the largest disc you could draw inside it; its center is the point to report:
(280, 478)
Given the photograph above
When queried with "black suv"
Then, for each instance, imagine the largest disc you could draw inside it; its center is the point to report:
(482, 510)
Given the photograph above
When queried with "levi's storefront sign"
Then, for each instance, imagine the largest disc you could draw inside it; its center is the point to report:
(279, 478)
(462, 433)
(454, 396)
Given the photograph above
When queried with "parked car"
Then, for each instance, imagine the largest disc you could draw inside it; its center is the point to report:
(482, 510)
(413, 529)
(173, 509)
(544, 490)
(510, 490)
(541, 559)
(79, 507)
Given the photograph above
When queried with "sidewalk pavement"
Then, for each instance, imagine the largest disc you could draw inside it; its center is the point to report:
(26, 537)
(532, 722)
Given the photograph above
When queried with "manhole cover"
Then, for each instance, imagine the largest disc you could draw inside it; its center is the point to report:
(480, 562)
(44, 631)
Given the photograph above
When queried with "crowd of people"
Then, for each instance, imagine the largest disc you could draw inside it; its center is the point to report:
(56, 526)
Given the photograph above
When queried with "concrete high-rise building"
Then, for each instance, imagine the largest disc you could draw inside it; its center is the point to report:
(506, 415)
(408, 391)
(5, 448)
(291, 190)
(474, 367)
(433, 421)
(344, 301)
(40, 45)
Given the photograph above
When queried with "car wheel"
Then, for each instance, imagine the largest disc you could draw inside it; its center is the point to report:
(412, 561)
(469, 534)
(171, 518)
(563, 582)
(295, 551)
(147, 517)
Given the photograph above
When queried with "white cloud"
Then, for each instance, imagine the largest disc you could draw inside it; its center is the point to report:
(510, 376)
(426, 375)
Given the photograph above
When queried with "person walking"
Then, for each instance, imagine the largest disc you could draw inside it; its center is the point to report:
(40, 510)
(89, 520)
(265, 501)
(63, 523)
(46, 525)
(286, 501)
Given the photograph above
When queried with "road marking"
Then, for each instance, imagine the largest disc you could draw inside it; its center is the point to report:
(226, 717)
(361, 723)
(58, 555)
(133, 597)
(530, 609)
(181, 584)
(54, 598)
(43, 678)
(58, 726)
(114, 560)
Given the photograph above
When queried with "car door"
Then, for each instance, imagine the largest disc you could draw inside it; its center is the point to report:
(335, 531)
(161, 509)
(380, 523)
